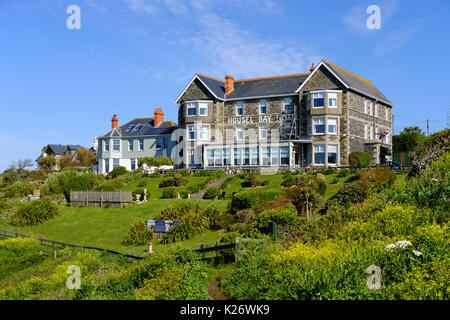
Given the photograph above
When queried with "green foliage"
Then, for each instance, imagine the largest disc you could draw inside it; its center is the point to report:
(289, 179)
(407, 141)
(251, 198)
(350, 193)
(211, 193)
(169, 193)
(343, 173)
(138, 234)
(20, 190)
(46, 163)
(430, 150)
(360, 159)
(34, 212)
(328, 171)
(252, 180)
(285, 215)
(139, 193)
(192, 223)
(176, 212)
(83, 182)
(175, 181)
(155, 162)
(116, 172)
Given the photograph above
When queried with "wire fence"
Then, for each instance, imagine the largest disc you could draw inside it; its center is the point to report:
(52, 243)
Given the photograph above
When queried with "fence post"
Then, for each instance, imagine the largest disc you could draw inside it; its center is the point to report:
(202, 246)
(237, 248)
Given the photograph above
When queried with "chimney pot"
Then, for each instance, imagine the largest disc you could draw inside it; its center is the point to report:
(312, 68)
(114, 122)
(158, 117)
(229, 84)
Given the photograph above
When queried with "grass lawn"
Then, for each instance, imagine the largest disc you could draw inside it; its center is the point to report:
(105, 227)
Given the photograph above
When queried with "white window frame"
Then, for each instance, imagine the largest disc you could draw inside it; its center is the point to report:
(375, 110)
(365, 106)
(239, 105)
(261, 104)
(291, 107)
(309, 127)
(238, 129)
(308, 101)
(386, 113)
(202, 106)
(117, 160)
(337, 99)
(314, 154)
(328, 126)
(337, 154)
(106, 145)
(141, 145)
(261, 131)
(114, 145)
(189, 106)
(314, 98)
(201, 127)
(130, 145)
(324, 124)
(194, 130)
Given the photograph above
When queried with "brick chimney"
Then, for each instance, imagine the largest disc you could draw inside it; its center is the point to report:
(312, 68)
(114, 122)
(229, 84)
(158, 118)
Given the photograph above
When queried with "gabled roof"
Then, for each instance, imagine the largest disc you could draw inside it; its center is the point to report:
(351, 81)
(141, 127)
(285, 85)
(61, 149)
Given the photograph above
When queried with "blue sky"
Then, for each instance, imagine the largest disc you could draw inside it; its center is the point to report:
(132, 56)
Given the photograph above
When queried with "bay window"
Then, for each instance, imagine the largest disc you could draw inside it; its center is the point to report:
(133, 164)
(332, 125)
(319, 125)
(319, 154)
(218, 157)
(191, 132)
(204, 132)
(191, 109)
(332, 99)
(318, 100)
(106, 165)
(275, 156)
(265, 156)
(192, 156)
(332, 153)
(237, 156)
(246, 156)
(227, 157)
(210, 157)
(106, 145)
(116, 163)
(116, 145)
(203, 108)
(308, 101)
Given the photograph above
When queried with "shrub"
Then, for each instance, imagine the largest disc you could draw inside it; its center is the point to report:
(175, 181)
(285, 215)
(289, 179)
(155, 162)
(350, 193)
(211, 193)
(116, 172)
(360, 159)
(251, 198)
(34, 212)
(169, 193)
(252, 180)
(78, 183)
(343, 173)
(192, 224)
(138, 234)
(334, 181)
(139, 192)
(176, 212)
(328, 171)
(20, 190)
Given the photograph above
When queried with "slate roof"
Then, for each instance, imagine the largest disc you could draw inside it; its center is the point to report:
(284, 85)
(60, 149)
(141, 127)
(356, 82)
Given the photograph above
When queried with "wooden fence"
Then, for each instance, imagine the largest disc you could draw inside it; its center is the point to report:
(105, 199)
(51, 243)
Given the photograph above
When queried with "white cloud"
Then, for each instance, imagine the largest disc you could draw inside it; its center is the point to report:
(227, 47)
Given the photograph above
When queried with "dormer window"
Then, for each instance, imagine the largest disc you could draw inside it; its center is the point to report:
(318, 100)
(240, 108)
(191, 109)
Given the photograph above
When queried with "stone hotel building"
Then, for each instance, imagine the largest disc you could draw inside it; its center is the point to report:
(314, 119)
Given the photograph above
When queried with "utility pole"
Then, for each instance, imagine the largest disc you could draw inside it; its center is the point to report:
(428, 127)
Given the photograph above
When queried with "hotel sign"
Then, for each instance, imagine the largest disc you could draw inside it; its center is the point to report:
(261, 119)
